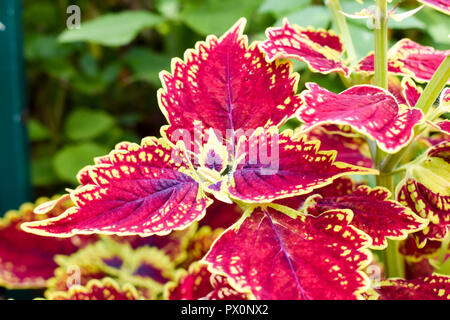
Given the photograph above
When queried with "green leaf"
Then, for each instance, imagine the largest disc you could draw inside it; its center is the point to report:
(280, 8)
(70, 159)
(315, 16)
(44, 47)
(37, 131)
(363, 39)
(215, 16)
(42, 172)
(87, 124)
(113, 29)
(146, 64)
(437, 25)
(444, 268)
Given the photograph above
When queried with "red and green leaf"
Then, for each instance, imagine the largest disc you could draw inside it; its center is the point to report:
(410, 250)
(443, 126)
(105, 289)
(369, 110)
(426, 190)
(145, 190)
(428, 205)
(27, 260)
(321, 49)
(147, 268)
(226, 85)
(373, 212)
(292, 166)
(273, 256)
(428, 288)
(350, 149)
(408, 58)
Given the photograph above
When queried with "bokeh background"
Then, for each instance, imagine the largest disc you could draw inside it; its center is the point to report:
(89, 90)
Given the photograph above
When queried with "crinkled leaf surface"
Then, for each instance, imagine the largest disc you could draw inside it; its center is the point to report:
(143, 191)
(370, 110)
(408, 58)
(321, 49)
(226, 85)
(273, 256)
(288, 165)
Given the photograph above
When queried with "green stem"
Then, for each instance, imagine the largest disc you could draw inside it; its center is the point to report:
(434, 87)
(341, 24)
(381, 49)
(381, 44)
(393, 261)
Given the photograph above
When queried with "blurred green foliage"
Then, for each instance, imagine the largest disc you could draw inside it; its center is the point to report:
(93, 87)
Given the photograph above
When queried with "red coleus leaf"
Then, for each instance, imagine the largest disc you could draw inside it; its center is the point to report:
(287, 165)
(441, 5)
(429, 288)
(145, 190)
(105, 289)
(273, 256)
(226, 85)
(412, 252)
(408, 58)
(406, 91)
(198, 283)
(221, 215)
(373, 212)
(349, 149)
(443, 126)
(320, 49)
(27, 260)
(147, 268)
(426, 190)
(83, 175)
(369, 110)
(428, 205)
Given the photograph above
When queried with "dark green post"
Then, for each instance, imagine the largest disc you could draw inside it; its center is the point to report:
(14, 159)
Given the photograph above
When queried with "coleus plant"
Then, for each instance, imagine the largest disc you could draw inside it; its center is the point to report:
(297, 213)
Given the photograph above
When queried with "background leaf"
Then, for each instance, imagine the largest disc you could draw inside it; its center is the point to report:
(86, 123)
(215, 16)
(112, 29)
(70, 159)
